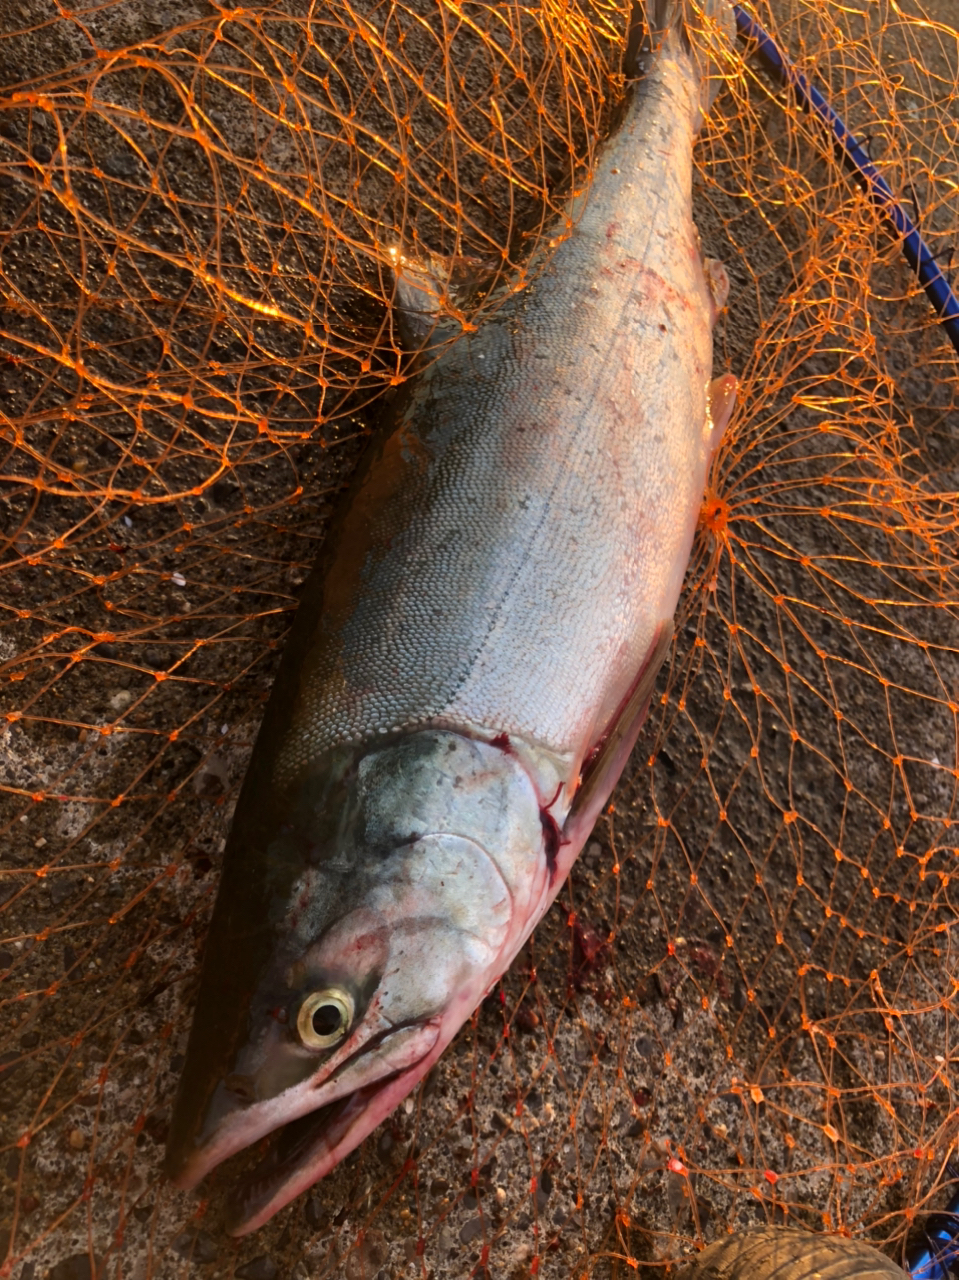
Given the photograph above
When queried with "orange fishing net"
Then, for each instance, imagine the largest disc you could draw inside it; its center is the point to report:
(743, 1006)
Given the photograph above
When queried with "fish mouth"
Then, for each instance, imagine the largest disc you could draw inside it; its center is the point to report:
(304, 1148)
(363, 1085)
(307, 1130)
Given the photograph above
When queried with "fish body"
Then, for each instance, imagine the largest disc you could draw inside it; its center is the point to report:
(466, 674)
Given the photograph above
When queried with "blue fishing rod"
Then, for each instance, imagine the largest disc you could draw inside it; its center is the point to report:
(916, 251)
(939, 1250)
(933, 1259)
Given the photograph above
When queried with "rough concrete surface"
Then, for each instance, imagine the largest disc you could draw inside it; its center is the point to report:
(742, 1006)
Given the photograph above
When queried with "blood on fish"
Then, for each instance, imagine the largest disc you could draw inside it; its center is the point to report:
(502, 742)
(551, 841)
(551, 833)
(590, 758)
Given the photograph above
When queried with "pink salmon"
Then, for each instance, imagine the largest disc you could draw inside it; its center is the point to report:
(470, 664)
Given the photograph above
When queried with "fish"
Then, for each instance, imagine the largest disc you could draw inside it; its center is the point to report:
(470, 662)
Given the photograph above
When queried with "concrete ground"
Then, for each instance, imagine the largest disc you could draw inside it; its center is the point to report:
(742, 1006)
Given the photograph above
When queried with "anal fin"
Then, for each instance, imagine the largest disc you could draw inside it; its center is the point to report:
(721, 396)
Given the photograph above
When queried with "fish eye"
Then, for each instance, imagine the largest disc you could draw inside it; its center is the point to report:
(325, 1017)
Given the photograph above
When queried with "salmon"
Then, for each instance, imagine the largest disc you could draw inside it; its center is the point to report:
(470, 664)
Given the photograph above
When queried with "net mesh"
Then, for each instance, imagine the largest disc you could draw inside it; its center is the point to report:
(743, 1005)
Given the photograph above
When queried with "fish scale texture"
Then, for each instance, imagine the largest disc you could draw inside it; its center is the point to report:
(524, 526)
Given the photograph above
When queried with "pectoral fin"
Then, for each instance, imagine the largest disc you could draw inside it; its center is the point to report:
(717, 281)
(602, 770)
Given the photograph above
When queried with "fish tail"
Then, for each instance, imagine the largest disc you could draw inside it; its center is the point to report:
(704, 29)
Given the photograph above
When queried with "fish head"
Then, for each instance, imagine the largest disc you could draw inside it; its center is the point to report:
(311, 1026)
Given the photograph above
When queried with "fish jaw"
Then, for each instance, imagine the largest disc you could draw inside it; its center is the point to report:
(261, 1195)
(233, 1127)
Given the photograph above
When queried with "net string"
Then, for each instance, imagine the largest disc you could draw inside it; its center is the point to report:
(742, 1006)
